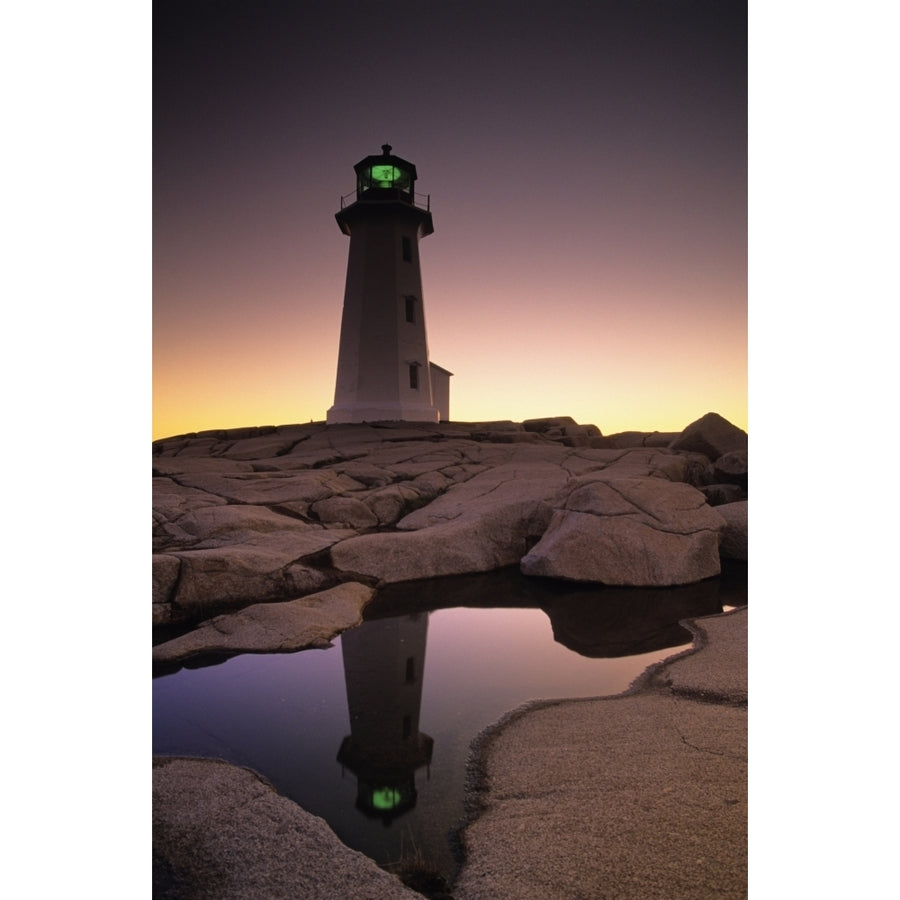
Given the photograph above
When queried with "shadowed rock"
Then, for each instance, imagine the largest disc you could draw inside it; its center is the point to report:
(711, 435)
(720, 494)
(734, 536)
(731, 468)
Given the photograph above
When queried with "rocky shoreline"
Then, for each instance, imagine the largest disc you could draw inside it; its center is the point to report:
(274, 539)
(643, 794)
(262, 517)
(639, 795)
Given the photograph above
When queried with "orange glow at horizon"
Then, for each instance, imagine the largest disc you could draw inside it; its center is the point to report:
(621, 356)
(526, 349)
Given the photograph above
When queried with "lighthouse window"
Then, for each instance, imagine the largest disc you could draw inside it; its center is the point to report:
(410, 669)
(414, 377)
(410, 308)
(407, 249)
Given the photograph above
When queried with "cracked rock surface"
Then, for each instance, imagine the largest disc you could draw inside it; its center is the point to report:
(254, 516)
(633, 796)
(310, 621)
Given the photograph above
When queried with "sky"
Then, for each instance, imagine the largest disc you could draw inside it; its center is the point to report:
(586, 164)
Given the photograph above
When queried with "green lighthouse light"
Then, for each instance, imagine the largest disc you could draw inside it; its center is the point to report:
(385, 176)
(382, 177)
(386, 798)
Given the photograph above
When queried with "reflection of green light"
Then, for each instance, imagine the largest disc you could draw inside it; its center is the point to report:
(385, 798)
(385, 176)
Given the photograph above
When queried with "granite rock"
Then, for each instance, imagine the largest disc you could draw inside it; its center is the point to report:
(249, 516)
(629, 531)
(220, 832)
(310, 621)
(734, 535)
(711, 435)
(731, 468)
(639, 795)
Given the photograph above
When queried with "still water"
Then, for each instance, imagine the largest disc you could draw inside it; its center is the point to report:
(373, 734)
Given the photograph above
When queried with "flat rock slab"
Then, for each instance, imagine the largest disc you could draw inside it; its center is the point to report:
(310, 621)
(639, 797)
(636, 796)
(718, 670)
(222, 833)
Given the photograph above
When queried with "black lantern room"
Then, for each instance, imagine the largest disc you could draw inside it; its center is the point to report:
(385, 173)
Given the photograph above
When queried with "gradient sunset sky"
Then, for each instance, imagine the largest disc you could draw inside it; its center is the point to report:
(587, 168)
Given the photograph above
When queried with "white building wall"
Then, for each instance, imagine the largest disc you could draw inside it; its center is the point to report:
(378, 345)
(440, 391)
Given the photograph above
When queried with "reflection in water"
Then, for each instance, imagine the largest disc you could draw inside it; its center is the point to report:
(384, 665)
(595, 621)
(624, 623)
(490, 649)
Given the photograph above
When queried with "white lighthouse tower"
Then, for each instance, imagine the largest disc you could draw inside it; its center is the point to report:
(383, 370)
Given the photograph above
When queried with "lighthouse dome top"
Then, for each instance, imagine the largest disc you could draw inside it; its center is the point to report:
(385, 172)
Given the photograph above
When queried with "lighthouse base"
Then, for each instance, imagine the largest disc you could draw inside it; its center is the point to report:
(344, 413)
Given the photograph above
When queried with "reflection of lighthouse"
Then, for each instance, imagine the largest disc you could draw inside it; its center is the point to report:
(384, 660)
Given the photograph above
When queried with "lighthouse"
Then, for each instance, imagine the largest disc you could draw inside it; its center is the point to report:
(383, 370)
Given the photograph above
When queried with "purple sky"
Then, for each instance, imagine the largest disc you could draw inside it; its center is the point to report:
(587, 167)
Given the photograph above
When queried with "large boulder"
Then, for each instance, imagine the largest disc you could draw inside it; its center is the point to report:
(481, 524)
(498, 537)
(734, 535)
(640, 532)
(731, 468)
(711, 435)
